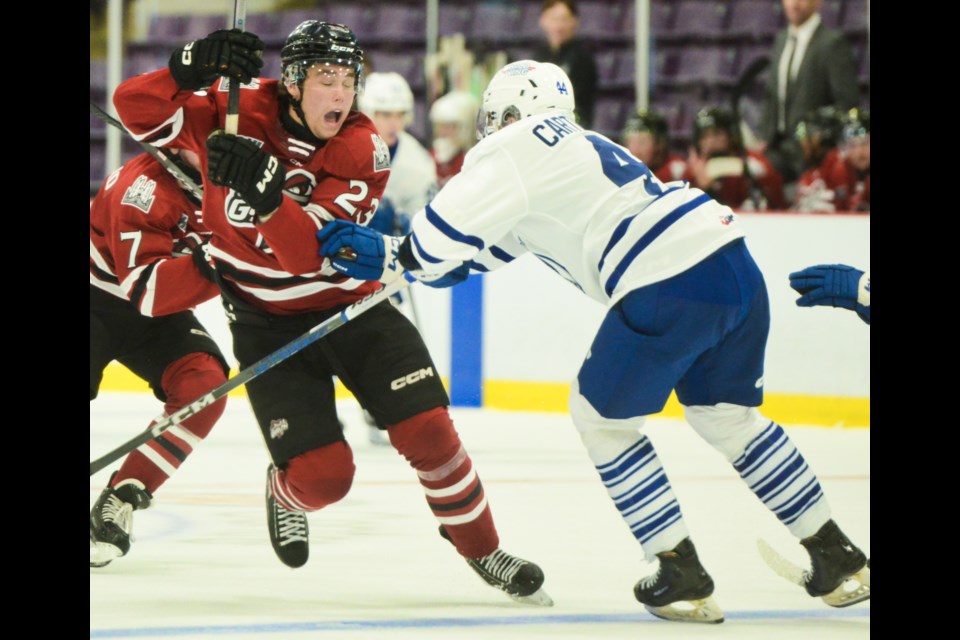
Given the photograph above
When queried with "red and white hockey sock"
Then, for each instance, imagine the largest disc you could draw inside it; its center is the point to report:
(454, 493)
(183, 381)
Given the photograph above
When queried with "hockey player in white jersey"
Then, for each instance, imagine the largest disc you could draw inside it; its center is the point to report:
(688, 311)
(388, 100)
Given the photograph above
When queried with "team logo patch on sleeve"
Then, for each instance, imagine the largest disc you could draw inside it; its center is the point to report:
(381, 154)
(140, 194)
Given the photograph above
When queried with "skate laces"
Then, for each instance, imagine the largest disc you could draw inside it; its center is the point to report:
(500, 565)
(118, 512)
(291, 525)
(651, 580)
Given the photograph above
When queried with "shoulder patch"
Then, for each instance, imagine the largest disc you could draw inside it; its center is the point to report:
(140, 194)
(381, 154)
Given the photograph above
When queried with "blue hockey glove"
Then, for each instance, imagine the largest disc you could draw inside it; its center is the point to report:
(835, 285)
(448, 279)
(360, 252)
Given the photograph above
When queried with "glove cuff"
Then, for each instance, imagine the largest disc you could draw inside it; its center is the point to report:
(392, 269)
(863, 290)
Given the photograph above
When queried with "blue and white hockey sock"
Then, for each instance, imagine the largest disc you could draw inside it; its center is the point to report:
(636, 481)
(777, 473)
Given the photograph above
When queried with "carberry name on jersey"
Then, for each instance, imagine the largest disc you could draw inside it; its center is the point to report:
(553, 129)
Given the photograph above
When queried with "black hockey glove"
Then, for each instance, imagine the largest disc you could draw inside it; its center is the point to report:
(229, 52)
(238, 163)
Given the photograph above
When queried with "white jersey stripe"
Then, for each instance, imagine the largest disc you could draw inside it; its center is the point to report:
(298, 290)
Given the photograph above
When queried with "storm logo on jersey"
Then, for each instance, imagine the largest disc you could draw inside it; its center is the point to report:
(381, 154)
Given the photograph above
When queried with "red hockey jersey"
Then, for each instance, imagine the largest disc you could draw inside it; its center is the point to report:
(137, 217)
(272, 265)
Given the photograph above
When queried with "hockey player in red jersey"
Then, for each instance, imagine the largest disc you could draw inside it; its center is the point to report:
(719, 165)
(305, 156)
(147, 271)
(850, 178)
(818, 134)
(647, 137)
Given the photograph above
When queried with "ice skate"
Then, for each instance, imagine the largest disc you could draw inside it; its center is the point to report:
(289, 533)
(111, 520)
(518, 578)
(839, 572)
(680, 590)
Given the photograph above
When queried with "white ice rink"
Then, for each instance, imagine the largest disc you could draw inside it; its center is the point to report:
(202, 566)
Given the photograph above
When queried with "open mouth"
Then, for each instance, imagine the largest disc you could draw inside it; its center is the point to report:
(332, 117)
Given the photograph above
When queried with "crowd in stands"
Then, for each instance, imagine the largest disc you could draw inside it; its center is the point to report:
(802, 143)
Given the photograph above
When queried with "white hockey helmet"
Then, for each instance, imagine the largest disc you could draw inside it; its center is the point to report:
(387, 91)
(522, 89)
(459, 108)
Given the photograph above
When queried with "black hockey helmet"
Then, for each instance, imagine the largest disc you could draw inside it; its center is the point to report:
(856, 124)
(646, 120)
(824, 124)
(318, 41)
(714, 118)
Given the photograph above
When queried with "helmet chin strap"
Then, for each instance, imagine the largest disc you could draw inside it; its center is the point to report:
(300, 129)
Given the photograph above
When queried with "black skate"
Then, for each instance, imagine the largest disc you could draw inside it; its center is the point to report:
(519, 579)
(681, 589)
(839, 572)
(289, 534)
(111, 520)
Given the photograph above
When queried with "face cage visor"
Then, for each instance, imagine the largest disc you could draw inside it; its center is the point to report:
(296, 72)
(490, 121)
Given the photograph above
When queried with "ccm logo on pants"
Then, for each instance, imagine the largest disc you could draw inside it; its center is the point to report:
(410, 378)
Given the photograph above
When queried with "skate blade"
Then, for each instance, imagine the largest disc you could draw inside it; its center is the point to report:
(855, 589)
(538, 598)
(704, 611)
(102, 554)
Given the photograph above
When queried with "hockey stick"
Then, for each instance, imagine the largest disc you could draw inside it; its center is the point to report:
(743, 85)
(152, 150)
(232, 120)
(164, 422)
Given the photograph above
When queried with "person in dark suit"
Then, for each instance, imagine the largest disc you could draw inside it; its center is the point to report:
(811, 66)
(559, 20)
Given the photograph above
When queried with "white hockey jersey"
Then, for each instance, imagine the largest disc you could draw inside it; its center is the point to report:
(413, 178)
(582, 204)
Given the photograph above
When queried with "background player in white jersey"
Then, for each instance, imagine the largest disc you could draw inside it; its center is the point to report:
(388, 101)
(688, 310)
(454, 120)
(303, 156)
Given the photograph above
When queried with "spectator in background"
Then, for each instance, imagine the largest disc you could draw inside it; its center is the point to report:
(720, 165)
(559, 20)
(812, 66)
(646, 136)
(454, 120)
(818, 134)
(850, 178)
